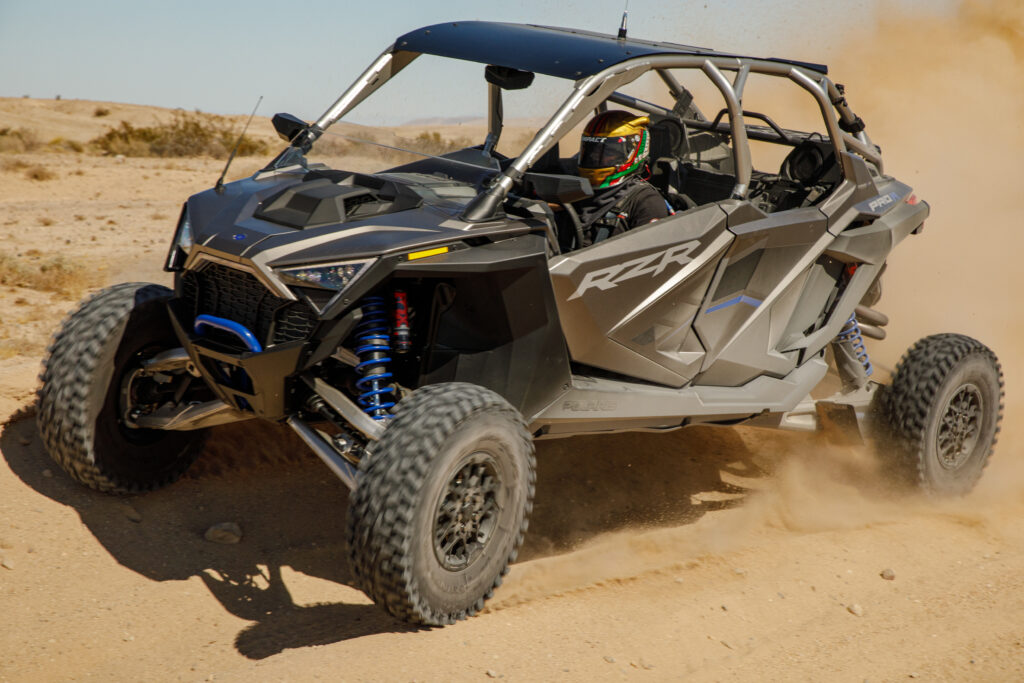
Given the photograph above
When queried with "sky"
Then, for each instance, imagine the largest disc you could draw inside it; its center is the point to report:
(220, 55)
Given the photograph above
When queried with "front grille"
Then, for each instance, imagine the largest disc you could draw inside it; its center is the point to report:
(237, 295)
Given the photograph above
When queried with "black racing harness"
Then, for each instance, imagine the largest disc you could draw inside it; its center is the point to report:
(604, 216)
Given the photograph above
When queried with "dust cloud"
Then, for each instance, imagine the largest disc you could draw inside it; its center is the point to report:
(939, 95)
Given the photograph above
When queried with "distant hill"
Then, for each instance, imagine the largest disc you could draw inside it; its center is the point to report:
(84, 120)
(447, 121)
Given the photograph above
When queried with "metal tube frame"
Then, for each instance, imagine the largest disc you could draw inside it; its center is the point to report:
(495, 117)
(588, 94)
(376, 75)
(740, 144)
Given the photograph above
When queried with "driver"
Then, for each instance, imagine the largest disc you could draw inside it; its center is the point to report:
(614, 151)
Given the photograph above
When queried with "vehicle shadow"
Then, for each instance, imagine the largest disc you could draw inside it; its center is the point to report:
(291, 510)
(591, 485)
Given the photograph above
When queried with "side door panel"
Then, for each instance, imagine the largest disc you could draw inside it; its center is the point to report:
(755, 292)
(627, 304)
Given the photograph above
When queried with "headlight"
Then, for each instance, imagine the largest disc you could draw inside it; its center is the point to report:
(182, 243)
(334, 276)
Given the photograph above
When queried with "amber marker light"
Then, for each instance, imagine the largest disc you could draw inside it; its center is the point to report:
(428, 252)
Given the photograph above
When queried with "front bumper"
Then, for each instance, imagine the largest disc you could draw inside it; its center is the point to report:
(251, 382)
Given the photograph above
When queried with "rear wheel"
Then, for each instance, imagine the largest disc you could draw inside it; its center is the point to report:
(442, 504)
(92, 382)
(943, 411)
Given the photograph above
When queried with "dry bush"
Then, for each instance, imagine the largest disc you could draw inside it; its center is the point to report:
(40, 173)
(65, 145)
(18, 140)
(52, 275)
(427, 142)
(332, 146)
(185, 135)
(9, 348)
(100, 112)
(13, 165)
(45, 221)
(433, 143)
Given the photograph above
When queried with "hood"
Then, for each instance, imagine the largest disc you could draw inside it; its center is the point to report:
(308, 216)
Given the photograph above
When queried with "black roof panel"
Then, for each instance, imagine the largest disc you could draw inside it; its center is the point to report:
(560, 52)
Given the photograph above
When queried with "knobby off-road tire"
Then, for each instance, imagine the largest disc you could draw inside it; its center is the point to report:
(79, 405)
(442, 504)
(942, 413)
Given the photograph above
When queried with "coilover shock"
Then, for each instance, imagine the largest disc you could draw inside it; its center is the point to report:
(373, 348)
(402, 333)
(851, 336)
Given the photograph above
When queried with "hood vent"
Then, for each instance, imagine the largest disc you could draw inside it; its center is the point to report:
(332, 198)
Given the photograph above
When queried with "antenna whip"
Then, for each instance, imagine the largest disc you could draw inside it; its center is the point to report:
(219, 187)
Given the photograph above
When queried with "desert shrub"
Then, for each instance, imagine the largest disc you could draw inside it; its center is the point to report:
(52, 275)
(333, 146)
(13, 165)
(40, 173)
(100, 112)
(433, 143)
(18, 140)
(427, 142)
(185, 135)
(9, 348)
(64, 145)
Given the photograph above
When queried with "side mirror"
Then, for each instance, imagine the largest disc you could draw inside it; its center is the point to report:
(288, 126)
(508, 78)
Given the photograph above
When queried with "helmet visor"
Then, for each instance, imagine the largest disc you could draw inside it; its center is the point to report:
(597, 152)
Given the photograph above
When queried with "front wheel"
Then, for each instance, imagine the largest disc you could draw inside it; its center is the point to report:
(942, 412)
(442, 504)
(93, 381)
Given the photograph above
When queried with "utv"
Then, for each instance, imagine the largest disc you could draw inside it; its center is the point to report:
(420, 326)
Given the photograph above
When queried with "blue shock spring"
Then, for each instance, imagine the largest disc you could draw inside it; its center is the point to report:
(373, 346)
(851, 333)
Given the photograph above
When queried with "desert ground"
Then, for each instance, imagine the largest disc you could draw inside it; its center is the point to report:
(705, 554)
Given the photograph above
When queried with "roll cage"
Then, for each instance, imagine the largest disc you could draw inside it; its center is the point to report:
(600, 65)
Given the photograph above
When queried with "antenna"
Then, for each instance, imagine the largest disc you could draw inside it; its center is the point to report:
(622, 26)
(219, 187)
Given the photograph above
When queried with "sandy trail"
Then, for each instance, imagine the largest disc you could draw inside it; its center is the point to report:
(704, 554)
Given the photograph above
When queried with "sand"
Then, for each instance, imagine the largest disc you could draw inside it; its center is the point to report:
(704, 554)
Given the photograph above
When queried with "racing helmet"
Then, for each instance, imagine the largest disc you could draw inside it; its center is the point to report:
(615, 145)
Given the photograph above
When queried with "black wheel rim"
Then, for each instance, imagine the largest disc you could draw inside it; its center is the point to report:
(467, 514)
(959, 427)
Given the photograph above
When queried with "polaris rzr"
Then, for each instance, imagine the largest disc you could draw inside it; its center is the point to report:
(419, 327)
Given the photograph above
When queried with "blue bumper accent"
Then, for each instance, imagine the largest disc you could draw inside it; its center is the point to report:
(239, 330)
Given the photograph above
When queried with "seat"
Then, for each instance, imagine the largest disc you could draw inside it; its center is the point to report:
(811, 163)
(668, 139)
(703, 186)
(549, 162)
(808, 173)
